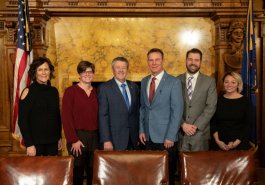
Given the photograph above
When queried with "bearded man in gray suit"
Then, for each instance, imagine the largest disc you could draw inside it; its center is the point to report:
(200, 98)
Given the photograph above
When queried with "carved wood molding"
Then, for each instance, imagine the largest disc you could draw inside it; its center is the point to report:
(132, 7)
(37, 29)
(122, 3)
(152, 8)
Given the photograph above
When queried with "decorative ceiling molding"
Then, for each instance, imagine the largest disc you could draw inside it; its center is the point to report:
(131, 8)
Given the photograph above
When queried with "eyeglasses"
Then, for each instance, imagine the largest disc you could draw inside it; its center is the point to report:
(87, 73)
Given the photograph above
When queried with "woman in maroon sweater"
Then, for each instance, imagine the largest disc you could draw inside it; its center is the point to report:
(80, 121)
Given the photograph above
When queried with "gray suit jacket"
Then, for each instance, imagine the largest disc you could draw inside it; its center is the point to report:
(161, 119)
(116, 122)
(200, 109)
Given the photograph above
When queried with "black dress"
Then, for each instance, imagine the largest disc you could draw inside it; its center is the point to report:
(39, 115)
(232, 120)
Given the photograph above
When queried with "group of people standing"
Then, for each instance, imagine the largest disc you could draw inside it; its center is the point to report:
(166, 113)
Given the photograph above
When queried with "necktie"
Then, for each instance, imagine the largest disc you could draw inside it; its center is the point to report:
(189, 87)
(152, 90)
(125, 95)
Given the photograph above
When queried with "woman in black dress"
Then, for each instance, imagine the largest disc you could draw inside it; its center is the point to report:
(231, 123)
(39, 115)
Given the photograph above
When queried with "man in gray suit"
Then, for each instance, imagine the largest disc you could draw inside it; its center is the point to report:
(161, 109)
(119, 109)
(200, 97)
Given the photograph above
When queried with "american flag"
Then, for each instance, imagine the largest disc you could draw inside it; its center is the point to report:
(249, 67)
(24, 57)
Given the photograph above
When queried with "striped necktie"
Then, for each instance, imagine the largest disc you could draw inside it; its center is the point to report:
(189, 87)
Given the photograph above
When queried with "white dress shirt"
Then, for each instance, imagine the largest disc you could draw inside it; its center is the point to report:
(126, 87)
(193, 81)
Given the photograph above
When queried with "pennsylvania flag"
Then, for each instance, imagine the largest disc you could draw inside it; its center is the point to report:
(249, 66)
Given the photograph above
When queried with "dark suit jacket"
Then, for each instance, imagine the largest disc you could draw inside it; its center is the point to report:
(116, 122)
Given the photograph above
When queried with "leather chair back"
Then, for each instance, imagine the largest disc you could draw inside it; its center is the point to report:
(218, 168)
(130, 168)
(36, 170)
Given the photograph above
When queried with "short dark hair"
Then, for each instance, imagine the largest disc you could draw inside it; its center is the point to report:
(194, 50)
(83, 65)
(38, 62)
(155, 50)
(122, 59)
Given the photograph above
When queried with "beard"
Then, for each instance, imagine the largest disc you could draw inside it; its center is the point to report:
(193, 70)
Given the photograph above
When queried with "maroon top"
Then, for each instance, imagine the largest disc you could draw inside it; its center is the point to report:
(79, 112)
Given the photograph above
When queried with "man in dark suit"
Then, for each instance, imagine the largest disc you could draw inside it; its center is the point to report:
(200, 97)
(119, 109)
(161, 109)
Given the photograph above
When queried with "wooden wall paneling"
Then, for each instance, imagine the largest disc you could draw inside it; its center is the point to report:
(261, 126)
(5, 106)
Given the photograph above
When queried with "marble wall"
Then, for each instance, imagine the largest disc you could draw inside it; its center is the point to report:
(99, 40)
